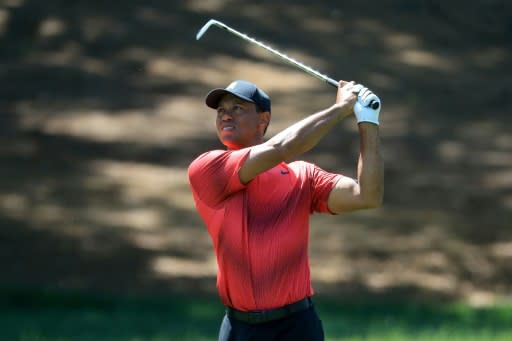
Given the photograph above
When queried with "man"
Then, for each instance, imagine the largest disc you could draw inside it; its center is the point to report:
(256, 207)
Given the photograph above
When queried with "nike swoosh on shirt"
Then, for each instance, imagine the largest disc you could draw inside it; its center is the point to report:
(284, 172)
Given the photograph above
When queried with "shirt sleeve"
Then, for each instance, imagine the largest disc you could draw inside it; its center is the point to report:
(322, 183)
(214, 175)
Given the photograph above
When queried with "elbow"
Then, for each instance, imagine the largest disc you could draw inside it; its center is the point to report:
(368, 205)
(283, 150)
(289, 146)
(373, 201)
(279, 150)
(376, 203)
(374, 197)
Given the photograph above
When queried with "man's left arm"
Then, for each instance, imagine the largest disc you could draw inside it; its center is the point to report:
(367, 191)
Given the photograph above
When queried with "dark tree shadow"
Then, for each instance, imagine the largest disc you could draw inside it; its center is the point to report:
(92, 209)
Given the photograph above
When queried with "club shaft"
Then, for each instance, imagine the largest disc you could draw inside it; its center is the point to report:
(374, 104)
(291, 61)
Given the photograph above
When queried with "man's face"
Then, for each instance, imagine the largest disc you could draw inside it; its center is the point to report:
(238, 122)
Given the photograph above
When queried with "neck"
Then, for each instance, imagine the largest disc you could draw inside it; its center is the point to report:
(237, 146)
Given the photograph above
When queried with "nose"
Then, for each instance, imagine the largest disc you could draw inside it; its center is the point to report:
(225, 116)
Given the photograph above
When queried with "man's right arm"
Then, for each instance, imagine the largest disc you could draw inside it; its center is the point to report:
(299, 137)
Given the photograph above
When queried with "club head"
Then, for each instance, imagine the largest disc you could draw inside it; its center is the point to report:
(206, 26)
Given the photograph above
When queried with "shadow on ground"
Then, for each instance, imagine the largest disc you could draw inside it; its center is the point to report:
(101, 112)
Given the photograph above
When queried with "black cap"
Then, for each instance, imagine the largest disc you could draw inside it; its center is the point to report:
(241, 89)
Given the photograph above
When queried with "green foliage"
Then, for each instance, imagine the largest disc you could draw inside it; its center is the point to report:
(57, 316)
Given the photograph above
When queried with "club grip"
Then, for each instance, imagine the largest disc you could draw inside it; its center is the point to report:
(332, 82)
(373, 104)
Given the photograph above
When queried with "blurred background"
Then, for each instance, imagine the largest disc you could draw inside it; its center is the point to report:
(102, 109)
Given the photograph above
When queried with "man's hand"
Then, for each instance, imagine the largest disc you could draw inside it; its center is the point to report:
(346, 97)
(362, 108)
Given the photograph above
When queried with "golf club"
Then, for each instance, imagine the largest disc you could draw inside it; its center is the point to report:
(301, 66)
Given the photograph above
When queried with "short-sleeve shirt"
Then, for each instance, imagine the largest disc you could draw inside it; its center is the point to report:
(259, 230)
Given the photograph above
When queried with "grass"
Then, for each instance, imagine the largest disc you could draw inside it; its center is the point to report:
(62, 316)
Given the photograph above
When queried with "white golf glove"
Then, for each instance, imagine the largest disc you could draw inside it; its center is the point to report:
(364, 107)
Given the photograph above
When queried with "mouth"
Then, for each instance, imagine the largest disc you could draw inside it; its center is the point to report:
(227, 128)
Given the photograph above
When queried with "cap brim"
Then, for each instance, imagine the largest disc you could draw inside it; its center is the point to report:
(213, 98)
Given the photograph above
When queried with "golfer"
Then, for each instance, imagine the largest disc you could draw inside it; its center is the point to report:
(256, 206)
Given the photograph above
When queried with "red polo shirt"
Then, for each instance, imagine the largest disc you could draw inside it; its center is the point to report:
(259, 230)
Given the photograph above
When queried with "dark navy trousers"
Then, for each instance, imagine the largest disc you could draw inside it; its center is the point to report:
(301, 326)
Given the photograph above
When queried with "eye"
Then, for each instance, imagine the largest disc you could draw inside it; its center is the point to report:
(220, 111)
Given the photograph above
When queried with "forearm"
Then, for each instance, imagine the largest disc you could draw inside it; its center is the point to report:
(299, 137)
(370, 169)
(305, 134)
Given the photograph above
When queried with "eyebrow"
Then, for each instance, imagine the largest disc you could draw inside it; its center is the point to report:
(236, 100)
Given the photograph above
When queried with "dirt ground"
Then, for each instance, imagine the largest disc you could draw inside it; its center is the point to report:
(101, 111)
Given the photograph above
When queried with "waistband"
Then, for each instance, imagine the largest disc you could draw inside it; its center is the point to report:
(262, 316)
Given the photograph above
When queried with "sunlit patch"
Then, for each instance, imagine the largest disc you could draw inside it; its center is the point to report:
(507, 202)
(502, 250)
(206, 6)
(51, 27)
(408, 49)
(440, 283)
(380, 81)
(94, 27)
(14, 205)
(166, 123)
(13, 3)
(451, 151)
(400, 40)
(94, 124)
(481, 298)
(144, 219)
(138, 183)
(166, 266)
(497, 180)
(428, 59)
(223, 69)
(4, 20)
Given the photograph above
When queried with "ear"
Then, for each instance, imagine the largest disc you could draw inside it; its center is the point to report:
(264, 121)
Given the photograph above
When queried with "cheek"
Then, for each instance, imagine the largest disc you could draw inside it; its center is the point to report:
(252, 123)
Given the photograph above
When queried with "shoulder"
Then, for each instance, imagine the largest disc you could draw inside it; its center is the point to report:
(217, 161)
(219, 155)
(306, 166)
(207, 157)
(314, 173)
(210, 155)
(300, 165)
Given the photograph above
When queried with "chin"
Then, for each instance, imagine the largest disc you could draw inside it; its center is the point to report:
(232, 145)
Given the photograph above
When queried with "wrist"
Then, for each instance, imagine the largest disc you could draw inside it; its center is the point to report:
(367, 126)
(369, 135)
(368, 120)
(366, 114)
(342, 109)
